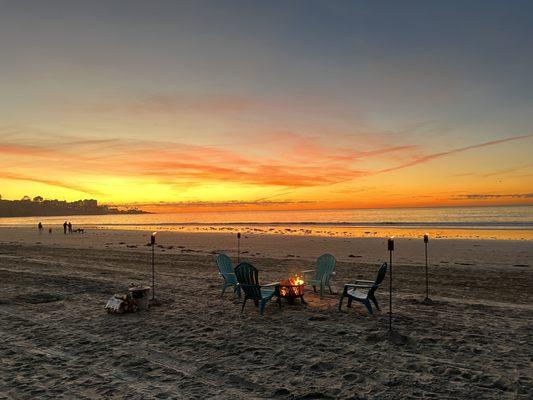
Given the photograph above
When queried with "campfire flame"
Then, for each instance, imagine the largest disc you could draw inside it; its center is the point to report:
(292, 287)
(296, 280)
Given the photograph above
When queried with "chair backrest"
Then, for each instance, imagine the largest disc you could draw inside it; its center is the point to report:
(248, 279)
(224, 264)
(381, 274)
(379, 278)
(324, 265)
(225, 268)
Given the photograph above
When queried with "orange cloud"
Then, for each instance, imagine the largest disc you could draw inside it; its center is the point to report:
(488, 196)
(430, 157)
(51, 182)
(24, 150)
(289, 161)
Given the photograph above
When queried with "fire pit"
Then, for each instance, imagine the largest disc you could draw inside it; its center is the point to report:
(292, 288)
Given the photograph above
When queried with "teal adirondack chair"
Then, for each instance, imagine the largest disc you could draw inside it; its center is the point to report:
(225, 270)
(364, 291)
(248, 279)
(322, 274)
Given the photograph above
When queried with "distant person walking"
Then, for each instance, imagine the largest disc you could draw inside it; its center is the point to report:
(49, 231)
(40, 226)
(69, 227)
(65, 227)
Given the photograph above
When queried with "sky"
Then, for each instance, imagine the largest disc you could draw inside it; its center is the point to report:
(177, 105)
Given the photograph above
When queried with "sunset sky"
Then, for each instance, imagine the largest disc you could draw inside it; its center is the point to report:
(267, 104)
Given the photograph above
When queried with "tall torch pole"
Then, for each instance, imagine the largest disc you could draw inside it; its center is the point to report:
(426, 240)
(152, 242)
(390, 246)
(238, 248)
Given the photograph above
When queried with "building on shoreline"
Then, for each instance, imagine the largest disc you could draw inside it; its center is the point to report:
(40, 207)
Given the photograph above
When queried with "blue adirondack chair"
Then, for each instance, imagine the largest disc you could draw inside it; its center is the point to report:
(248, 279)
(322, 274)
(364, 291)
(225, 270)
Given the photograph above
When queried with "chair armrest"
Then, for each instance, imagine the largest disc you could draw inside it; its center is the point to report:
(271, 284)
(355, 285)
(364, 281)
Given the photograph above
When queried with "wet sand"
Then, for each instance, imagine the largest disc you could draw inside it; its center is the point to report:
(58, 342)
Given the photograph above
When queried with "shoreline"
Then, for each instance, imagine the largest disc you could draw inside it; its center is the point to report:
(505, 223)
(466, 252)
(368, 231)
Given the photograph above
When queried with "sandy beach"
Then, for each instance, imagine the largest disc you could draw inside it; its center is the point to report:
(58, 341)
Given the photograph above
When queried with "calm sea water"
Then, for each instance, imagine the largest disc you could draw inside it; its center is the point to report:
(494, 222)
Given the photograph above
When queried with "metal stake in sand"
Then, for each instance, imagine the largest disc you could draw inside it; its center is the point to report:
(426, 240)
(393, 336)
(152, 243)
(390, 247)
(427, 300)
(238, 248)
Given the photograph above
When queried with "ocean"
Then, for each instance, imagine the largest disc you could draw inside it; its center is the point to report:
(443, 222)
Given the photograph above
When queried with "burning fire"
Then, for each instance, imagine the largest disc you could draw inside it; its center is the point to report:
(292, 287)
(296, 280)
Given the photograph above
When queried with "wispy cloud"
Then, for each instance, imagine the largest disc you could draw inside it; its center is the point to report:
(433, 156)
(25, 150)
(488, 196)
(498, 172)
(171, 161)
(289, 162)
(51, 182)
(188, 204)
